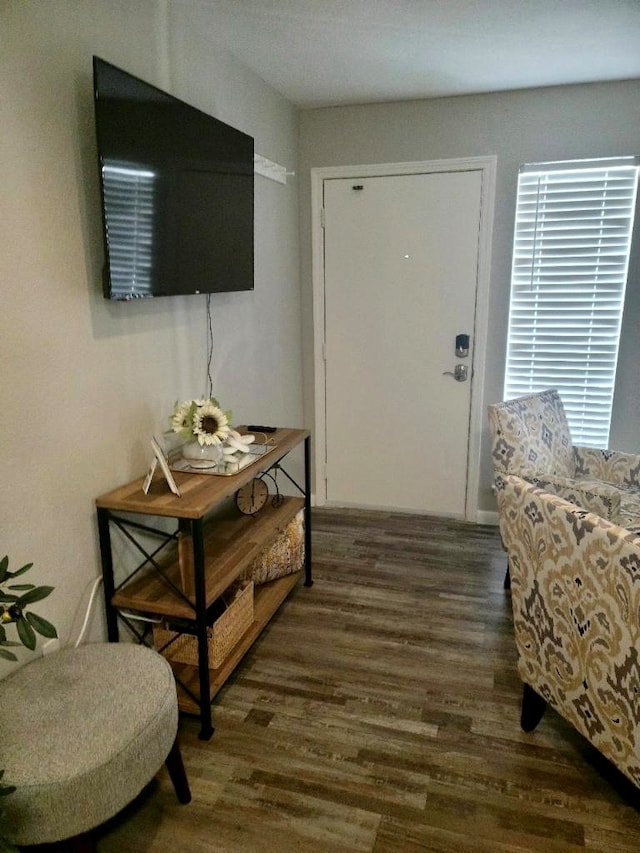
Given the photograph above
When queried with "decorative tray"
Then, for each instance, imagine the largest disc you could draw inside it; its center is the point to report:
(223, 469)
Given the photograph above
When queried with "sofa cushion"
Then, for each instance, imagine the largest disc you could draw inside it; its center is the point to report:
(629, 513)
(609, 466)
(531, 436)
(602, 498)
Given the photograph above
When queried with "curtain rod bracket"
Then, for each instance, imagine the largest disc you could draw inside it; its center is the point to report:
(269, 169)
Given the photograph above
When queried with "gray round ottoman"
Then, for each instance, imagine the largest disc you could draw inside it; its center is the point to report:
(82, 731)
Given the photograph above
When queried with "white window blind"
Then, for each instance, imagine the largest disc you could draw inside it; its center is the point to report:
(570, 260)
(129, 206)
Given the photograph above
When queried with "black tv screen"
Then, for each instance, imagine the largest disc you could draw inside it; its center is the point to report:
(177, 193)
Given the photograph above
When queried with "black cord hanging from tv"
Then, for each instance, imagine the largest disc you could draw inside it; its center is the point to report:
(209, 346)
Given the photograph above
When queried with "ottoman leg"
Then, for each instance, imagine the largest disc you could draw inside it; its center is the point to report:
(178, 774)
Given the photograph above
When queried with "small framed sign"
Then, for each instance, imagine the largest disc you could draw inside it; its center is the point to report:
(161, 460)
(149, 477)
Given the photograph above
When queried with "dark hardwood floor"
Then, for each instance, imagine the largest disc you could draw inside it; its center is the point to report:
(380, 711)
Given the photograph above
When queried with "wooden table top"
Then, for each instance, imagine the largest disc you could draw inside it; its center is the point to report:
(199, 493)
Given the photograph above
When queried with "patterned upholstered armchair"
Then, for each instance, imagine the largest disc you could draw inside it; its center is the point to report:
(575, 591)
(531, 438)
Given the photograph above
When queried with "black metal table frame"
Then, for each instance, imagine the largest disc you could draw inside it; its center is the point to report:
(107, 517)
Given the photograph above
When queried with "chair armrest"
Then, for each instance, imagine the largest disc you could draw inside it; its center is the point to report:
(611, 466)
(601, 498)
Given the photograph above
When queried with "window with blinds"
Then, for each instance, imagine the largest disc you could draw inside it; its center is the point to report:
(572, 239)
(129, 206)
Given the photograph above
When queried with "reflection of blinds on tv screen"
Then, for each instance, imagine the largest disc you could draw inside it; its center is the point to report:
(177, 193)
(129, 208)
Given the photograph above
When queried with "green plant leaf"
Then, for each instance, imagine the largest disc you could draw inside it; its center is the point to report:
(26, 633)
(10, 643)
(4, 566)
(19, 571)
(42, 626)
(6, 597)
(3, 636)
(36, 594)
(21, 586)
(7, 655)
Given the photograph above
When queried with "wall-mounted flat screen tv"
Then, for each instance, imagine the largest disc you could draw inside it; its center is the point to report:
(177, 193)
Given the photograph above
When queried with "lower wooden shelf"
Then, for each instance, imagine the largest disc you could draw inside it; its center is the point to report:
(268, 597)
(230, 545)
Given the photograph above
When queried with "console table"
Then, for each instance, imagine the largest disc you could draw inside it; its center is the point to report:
(223, 543)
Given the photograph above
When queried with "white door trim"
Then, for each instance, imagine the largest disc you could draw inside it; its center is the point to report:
(487, 165)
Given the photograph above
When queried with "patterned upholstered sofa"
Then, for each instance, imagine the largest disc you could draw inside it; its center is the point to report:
(575, 589)
(531, 438)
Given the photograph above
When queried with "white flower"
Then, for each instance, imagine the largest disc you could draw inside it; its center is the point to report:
(210, 424)
(239, 442)
(200, 420)
(181, 420)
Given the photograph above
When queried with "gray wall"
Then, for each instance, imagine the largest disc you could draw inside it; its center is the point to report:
(85, 383)
(561, 123)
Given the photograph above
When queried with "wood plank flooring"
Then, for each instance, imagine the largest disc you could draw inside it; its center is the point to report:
(379, 711)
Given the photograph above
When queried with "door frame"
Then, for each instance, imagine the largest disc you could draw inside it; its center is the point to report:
(486, 165)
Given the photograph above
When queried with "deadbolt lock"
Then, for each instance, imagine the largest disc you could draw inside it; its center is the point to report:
(462, 346)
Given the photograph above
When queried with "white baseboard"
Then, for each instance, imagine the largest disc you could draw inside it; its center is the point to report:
(482, 516)
(485, 517)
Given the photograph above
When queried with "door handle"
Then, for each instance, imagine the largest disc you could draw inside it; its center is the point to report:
(460, 373)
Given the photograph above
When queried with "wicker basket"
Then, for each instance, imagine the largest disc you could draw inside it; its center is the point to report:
(224, 634)
(283, 557)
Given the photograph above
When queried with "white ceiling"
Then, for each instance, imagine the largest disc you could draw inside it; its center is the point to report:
(330, 52)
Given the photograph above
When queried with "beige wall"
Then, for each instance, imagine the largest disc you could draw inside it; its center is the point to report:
(85, 383)
(518, 127)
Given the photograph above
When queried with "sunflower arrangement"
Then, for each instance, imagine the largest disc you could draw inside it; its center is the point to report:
(201, 420)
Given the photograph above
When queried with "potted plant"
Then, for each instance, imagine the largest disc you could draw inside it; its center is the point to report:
(15, 598)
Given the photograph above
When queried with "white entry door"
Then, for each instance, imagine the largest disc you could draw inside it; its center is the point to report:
(401, 271)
